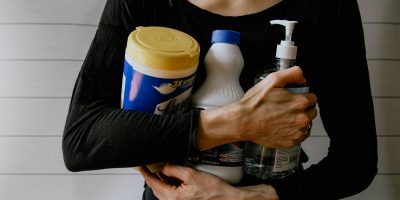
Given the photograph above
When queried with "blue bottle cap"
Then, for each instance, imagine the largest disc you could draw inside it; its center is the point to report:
(225, 36)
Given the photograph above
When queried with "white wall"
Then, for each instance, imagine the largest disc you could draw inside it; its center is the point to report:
(42, 46)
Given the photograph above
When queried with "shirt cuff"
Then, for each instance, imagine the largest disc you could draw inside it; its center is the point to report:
(193, 149)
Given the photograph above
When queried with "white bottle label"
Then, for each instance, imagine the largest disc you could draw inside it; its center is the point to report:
(225, 155)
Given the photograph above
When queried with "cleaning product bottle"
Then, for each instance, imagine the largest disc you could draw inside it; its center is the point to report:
(269, 163)
(224, 63)
(159, 72)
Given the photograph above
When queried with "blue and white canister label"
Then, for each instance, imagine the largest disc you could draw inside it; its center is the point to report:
(150, 94)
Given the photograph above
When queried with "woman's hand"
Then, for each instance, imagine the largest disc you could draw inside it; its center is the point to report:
(199, 185)
(267, 114)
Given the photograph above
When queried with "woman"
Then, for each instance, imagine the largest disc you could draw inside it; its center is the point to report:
(331, 54)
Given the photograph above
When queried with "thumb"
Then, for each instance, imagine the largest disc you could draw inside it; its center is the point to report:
(280, 79)
(180, 172)
(155, 183)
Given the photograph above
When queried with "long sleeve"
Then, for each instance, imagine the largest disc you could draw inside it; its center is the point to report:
(98, 134)
(341, 82)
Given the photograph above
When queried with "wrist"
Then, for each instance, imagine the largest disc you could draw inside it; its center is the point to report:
(242, 194)
(262, 192)
(217, 127)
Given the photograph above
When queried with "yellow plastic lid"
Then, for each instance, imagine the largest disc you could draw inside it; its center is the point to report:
(162, 48)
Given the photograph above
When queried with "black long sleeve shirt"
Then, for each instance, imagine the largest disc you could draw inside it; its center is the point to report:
(331, 52)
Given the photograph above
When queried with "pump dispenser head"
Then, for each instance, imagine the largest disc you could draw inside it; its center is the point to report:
(286, 49)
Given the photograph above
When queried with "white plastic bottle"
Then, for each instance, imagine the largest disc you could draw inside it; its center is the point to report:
(269, 163)
(224, 63)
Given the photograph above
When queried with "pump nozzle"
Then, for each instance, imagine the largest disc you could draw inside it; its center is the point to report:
(286, 49)
(289, 26)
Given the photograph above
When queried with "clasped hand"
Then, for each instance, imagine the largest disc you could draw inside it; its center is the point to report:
(198, 185)
(267, 114)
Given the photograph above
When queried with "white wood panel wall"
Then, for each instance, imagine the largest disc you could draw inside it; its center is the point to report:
(42, 46)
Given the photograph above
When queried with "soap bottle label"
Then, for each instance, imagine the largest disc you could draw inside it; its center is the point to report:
(286, 159)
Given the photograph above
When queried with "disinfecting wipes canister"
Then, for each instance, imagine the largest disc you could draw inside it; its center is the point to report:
(159, 71)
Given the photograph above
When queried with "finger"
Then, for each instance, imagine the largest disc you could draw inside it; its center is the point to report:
(180, 172)
(311, 113)
(307, 131)
(293, 75)
(312, 99)
(155, 184)
(150, 178)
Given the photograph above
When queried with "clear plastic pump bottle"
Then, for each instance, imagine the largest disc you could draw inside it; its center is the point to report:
(270, 163)
(224, 63)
